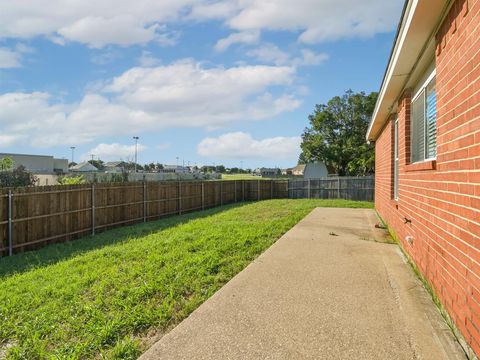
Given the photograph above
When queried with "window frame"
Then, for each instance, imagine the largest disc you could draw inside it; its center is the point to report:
(422, 90)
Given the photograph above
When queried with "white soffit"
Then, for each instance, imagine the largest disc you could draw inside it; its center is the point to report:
(419, 21)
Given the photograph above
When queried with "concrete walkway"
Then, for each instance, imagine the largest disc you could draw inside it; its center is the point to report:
(326, 290)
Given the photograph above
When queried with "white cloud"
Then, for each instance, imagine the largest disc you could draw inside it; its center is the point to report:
(148, 60)
(318, 20)
(182, 94)
(240, 145)
(125, 22)
(95, 23)
(114, 151)
(244, 37)
(269, 53)
(12, 58)
(9, 59)
(9, 140)
(98, 31)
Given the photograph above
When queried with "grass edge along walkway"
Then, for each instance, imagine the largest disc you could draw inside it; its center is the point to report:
(104, 297)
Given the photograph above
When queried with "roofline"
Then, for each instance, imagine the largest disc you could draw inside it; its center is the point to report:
(414, 41)
(389, 63)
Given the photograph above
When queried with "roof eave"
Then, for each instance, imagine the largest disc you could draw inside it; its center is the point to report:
(417, 26)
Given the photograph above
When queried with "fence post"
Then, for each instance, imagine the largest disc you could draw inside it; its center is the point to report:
(338, 186)
(203, 195)
(221, 193)
(10, 223)
(243, 190)
(258, 190)
(309, 191)
(271, 189)
(144, 201)
(179, 198)
(93, 209)
(235, 187)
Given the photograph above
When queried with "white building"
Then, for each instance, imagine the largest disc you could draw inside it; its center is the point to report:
(39, 164)
(174, 169)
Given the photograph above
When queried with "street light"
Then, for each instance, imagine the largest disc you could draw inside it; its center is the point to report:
(136, 143)
(73, 149)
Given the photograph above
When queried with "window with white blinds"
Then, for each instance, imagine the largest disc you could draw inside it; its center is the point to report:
(424, 124)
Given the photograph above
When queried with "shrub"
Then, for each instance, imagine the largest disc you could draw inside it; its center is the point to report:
(71, 180)
(17, 177)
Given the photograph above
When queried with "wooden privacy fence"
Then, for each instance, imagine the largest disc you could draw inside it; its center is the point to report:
(339, 187)
(36, 216)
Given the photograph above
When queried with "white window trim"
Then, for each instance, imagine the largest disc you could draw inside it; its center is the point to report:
(415, 97)
(425, 84)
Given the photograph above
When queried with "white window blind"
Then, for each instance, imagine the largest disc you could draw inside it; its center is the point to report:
(424, 124)
(431, 122)
(418, 128)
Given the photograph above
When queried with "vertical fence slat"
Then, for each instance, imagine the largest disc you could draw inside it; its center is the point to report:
(10, 223)
(93, 209)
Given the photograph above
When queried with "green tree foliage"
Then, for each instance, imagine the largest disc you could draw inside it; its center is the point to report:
(6, 164)
(17, 177)
(71, 180)
(336, 134)
(99, 164)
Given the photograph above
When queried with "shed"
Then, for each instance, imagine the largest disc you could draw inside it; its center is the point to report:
(315, 170)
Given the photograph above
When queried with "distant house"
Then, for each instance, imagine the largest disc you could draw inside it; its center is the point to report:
(83, 167)
(266, 172)
(315, 170)
(115, 167)
(39, 164)
(297, 170)
(174, 169)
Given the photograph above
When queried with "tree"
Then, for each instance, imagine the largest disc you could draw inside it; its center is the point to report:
(336, 134)
(6, 164)
(99, 164)
(220, 169)
(17, 177)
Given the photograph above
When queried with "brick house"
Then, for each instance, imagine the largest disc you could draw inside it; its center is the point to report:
(426, 129)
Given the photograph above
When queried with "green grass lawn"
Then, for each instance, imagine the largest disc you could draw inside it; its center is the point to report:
(108, 296)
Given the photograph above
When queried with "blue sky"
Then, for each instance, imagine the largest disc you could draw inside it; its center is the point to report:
(207, 81)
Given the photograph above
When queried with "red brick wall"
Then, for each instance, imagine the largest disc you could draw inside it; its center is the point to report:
(443, 198)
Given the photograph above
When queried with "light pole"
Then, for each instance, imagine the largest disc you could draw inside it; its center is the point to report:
(177, 161)
(136, 143)
(73, 150)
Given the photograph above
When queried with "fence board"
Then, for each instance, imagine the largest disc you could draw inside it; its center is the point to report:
(348, 188)
(49, 214)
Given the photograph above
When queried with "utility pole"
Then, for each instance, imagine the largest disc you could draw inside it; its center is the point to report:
(92, 155)
(136, 143)
(73, 150)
